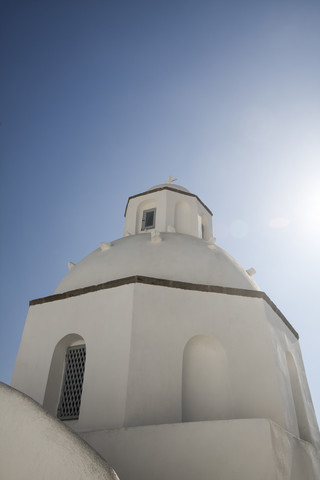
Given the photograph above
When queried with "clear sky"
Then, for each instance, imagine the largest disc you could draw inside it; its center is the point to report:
(103, 99)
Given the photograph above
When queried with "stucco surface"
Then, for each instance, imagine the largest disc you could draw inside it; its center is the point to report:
(103, 320)
(141, 371)
(176, 257)
(254, 449)
(36, 446)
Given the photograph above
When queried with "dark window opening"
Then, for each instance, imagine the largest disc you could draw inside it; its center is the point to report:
(148, 219)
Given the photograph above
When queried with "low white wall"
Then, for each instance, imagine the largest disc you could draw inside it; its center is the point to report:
(35, 446)
(251, 449)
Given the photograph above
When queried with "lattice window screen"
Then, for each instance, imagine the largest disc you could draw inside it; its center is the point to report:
(69, 405)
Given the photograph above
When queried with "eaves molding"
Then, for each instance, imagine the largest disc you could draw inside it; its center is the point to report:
(170, 284)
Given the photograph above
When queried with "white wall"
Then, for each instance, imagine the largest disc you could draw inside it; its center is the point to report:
(103, 320)
(294, 390)
(136, 338)
(221, 450)
(164, 321)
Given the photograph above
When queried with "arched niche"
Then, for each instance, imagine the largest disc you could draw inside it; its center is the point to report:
(204, 227)
(182, 217)
(142, 207)
(205, 381)
(56, 372)
(298, 401)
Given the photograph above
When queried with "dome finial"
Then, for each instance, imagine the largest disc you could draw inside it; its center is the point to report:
(171, 179)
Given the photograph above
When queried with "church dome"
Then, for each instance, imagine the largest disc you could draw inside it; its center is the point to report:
(170, 256)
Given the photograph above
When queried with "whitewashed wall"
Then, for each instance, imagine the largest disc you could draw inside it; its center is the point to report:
(137, 339)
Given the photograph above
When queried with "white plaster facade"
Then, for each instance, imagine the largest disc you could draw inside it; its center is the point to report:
(190, 368)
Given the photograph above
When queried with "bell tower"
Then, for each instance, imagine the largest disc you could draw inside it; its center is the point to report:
(168, 208)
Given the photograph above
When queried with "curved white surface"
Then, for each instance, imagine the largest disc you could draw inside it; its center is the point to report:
(36, 446)
(177, 257)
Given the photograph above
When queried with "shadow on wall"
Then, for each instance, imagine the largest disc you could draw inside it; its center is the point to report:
(206, 393)
(301, 414)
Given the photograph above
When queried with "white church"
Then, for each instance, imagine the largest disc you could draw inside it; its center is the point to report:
(164, 359)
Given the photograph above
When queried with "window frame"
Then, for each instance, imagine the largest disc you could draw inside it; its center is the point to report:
(144, 219)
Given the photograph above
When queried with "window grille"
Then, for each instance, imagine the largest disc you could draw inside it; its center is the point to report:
(148, 219)
(69, 405)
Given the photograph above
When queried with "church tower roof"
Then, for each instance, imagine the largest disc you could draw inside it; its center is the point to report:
(167, 235)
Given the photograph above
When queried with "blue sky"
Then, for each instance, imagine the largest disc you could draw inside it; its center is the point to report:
(101, 100)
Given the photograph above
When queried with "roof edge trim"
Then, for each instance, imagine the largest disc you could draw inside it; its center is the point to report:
(168, 188)
(167, 283)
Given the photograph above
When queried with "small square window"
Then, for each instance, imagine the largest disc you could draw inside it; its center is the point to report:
(148, 219)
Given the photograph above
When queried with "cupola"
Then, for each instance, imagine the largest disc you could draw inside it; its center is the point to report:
(168, 208)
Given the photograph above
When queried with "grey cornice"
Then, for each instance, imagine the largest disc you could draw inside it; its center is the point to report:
(172, 189)
(167, 283)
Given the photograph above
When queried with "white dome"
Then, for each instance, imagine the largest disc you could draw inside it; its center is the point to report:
(177, 257)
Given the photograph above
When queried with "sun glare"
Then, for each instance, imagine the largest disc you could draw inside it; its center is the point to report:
(310, 211)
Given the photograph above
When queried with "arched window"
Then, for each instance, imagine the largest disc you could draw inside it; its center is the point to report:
(299, 406)
(70, 398)
(65, 380)
(204, 227)
(205, 382)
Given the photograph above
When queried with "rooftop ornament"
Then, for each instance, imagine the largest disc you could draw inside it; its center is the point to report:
(171, 179)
